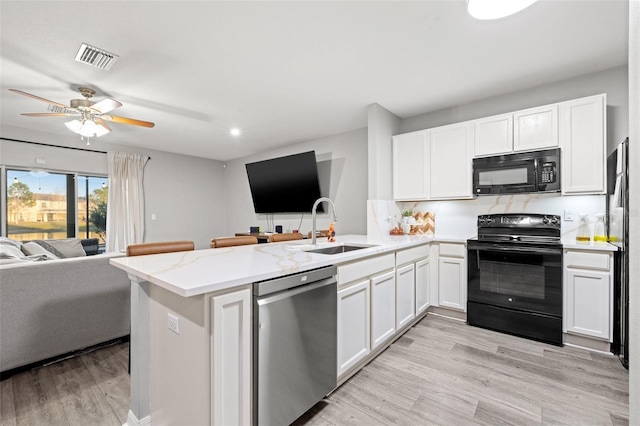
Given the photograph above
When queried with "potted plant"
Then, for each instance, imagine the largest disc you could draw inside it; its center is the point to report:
(407, 216)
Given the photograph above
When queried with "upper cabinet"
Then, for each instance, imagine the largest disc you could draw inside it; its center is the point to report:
(450, 161)
(437, 163)
(535, 128)
(583, 143)
(410, 155)
(494, 135)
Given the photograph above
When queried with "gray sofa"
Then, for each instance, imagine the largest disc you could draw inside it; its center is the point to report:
(54, 307)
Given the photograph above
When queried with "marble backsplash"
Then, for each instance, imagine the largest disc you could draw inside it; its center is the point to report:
(457, 218)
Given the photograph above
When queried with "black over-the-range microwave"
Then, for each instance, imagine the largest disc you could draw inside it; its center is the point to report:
(524, 172)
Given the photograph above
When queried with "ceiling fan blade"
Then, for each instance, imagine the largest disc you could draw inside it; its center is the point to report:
(106, 105)
(48, 114)
(125, 120)
(29, 95)
(102, 123)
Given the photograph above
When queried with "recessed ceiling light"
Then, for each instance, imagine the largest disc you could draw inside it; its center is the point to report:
(494, 9)
(235, 132)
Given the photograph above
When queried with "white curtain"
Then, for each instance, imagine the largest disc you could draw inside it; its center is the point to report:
(125, 205)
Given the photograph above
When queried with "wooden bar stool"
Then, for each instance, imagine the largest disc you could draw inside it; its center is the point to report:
(233, 241)
(160, 247)
(274, 238)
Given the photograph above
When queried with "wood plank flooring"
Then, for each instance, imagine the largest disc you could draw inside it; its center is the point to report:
(441, 372)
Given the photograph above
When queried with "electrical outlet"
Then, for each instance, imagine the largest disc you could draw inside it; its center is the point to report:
(568, 215)
(174, 323)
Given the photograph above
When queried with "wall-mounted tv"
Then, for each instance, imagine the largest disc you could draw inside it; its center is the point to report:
(285, 184)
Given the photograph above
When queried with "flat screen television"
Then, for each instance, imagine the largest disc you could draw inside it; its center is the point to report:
(285, 184)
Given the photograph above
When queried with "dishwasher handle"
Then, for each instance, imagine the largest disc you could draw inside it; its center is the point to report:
(265, 300)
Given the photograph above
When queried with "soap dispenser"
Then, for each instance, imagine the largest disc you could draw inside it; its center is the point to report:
(599, 234)
(584, 233)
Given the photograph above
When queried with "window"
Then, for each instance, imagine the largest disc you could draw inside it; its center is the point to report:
(44, 205)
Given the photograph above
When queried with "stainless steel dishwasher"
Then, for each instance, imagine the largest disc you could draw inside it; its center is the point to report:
(294, 344)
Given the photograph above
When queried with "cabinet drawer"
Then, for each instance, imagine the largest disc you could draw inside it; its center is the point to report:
(587, 260)
(365, 268)
(412, 254)
(452, 250)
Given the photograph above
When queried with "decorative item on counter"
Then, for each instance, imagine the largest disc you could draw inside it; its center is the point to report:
(600, 234)
(584, 232)
(331, 235)
(407, 218)
(425, 223)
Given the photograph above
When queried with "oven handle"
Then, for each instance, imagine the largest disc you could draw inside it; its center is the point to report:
(519, 249)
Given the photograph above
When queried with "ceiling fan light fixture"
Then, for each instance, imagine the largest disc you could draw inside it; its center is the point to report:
(87, 128)
(495, 9)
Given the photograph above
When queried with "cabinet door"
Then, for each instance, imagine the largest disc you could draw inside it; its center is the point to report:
(494, 135)
(383, 308)
(409, 179)
(231, 358)
(405, 295)
(353, 325)
(587, 303)
(452, 283)
(583, 145)
(450, 161)
(535, 128)
(422, 285)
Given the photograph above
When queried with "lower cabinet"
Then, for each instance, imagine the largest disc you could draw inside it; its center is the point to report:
(383, 308)
(423, 272)
(354, 306)
(230, 359)
(452, 276)
(405, 295)
(588, 293)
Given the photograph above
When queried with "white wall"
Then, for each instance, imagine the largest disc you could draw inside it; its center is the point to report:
(613, 82)
(342, 169)
(381, 125)
(183, 191)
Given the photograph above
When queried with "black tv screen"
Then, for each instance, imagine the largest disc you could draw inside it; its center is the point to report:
(285, 184)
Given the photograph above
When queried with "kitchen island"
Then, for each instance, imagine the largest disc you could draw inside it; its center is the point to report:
(191, 323)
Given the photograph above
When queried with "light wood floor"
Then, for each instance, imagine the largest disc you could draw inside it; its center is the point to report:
(441, 372)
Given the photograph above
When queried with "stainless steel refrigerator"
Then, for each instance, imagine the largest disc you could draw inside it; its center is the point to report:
(618, 233)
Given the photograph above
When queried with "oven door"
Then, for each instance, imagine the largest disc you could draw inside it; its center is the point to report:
(525, 277)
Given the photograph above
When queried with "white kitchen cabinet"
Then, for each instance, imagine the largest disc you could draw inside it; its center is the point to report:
(494, 135)
(423, 272)
(536, 128)
(450, 161)
(405, 295)
(588, 293)
(410, 153)
(452, 276)
(353, 325)
(583, 142)
(231, 358)
(383, 308)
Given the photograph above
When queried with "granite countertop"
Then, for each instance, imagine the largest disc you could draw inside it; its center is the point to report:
(197, 272)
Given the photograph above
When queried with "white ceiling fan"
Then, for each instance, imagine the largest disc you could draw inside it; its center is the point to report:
(90, 116)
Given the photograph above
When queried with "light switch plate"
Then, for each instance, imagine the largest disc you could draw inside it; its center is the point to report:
(568, 215)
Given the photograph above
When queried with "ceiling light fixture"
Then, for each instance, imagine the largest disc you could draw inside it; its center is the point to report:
(235, 132)
(494, 9)
(87, 128)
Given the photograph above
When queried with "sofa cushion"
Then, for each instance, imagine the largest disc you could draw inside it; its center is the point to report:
(9, 251)
(68, 247)
(9, 241)
(32, 248)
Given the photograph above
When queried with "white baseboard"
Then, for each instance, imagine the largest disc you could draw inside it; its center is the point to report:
(132, 420)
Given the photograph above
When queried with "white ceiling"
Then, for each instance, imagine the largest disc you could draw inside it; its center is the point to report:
(285, 72)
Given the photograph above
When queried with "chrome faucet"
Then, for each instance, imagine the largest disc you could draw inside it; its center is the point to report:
(313, 215)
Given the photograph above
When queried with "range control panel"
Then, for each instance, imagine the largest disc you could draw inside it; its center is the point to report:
(519, 221)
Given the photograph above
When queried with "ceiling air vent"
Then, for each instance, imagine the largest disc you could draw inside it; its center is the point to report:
(96, 57)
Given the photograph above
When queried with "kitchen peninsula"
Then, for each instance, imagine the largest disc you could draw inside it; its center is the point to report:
(191, 318)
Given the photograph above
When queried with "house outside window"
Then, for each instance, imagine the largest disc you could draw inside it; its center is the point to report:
(52, 205)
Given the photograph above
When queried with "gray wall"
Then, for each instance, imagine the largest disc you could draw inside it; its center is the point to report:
(613, 82)
(183, 191)
(342, 169)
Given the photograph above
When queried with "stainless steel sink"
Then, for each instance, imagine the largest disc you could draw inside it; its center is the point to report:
(342, 248)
